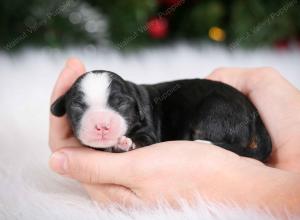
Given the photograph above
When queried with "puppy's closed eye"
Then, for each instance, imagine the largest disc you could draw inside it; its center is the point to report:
(122, 101)
(77, 106)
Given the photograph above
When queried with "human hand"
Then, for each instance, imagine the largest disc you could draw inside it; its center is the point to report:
(167, 170)
(278, 103)
(60, 132)
(178, 170)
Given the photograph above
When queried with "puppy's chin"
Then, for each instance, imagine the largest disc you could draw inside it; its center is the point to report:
(100, 144)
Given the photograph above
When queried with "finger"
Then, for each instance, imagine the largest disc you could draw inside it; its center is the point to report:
(108, 194)
(235, 77)
(91, 166)
(59, 127)
(72, 70)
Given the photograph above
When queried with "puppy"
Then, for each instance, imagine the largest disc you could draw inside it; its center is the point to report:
(107, 112)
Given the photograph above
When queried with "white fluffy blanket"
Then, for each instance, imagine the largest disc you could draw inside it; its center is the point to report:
(29, 190)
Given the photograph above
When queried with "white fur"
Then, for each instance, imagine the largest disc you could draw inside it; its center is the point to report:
(29, 190)
(95, 87)
(203, 142)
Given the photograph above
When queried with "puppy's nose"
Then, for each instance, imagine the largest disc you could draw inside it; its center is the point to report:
(103, 128)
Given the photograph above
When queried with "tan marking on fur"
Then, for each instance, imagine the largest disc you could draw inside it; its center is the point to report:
(253, 143)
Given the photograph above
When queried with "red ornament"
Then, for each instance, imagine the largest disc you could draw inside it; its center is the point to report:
(158, 28)
(282, 44)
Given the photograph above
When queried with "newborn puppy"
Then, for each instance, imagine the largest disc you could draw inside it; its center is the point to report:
(107, 112)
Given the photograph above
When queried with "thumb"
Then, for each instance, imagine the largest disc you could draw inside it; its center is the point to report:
(91, 166)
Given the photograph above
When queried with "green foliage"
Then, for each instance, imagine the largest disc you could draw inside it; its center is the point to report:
(196, 20)
(37, 22)
(125, 17)
(245, 22)
(263, 22)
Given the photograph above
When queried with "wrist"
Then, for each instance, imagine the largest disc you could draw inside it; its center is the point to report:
(260, 186)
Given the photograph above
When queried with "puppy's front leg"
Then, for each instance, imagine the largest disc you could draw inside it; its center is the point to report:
(125, 144)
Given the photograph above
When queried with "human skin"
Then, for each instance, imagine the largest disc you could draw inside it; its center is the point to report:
(181, 169)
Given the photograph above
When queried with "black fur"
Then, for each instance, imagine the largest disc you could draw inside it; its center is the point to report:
(180, 110)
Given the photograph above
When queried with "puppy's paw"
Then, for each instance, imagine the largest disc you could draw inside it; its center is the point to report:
(125, 144)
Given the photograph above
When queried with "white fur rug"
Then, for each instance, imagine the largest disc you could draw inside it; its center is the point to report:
(29, 190)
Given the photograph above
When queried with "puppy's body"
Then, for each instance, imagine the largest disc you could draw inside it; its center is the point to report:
(200, 109)
(178, 110)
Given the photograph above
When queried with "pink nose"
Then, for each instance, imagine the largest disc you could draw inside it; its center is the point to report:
(102, 122)
(102, 128)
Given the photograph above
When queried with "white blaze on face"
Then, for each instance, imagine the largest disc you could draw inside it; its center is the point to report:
(100, 126)
(95, 87)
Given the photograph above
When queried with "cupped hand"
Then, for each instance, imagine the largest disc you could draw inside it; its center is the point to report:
(170, 170)
(60, 132)
(278, 103)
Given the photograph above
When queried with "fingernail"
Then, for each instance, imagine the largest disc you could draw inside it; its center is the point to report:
(59, 163)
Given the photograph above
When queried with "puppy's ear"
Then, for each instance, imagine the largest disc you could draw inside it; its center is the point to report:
(140, 109)
(58, 108)
(137, 94)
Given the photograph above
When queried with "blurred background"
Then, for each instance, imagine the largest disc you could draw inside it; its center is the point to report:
(135, 24)
(145, 41)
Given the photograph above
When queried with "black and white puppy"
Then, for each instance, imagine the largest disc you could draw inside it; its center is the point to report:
(105, 111)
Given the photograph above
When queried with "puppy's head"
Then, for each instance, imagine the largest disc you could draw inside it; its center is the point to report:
(101, 108)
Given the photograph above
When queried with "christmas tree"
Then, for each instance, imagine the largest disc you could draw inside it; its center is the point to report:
(135, 23)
